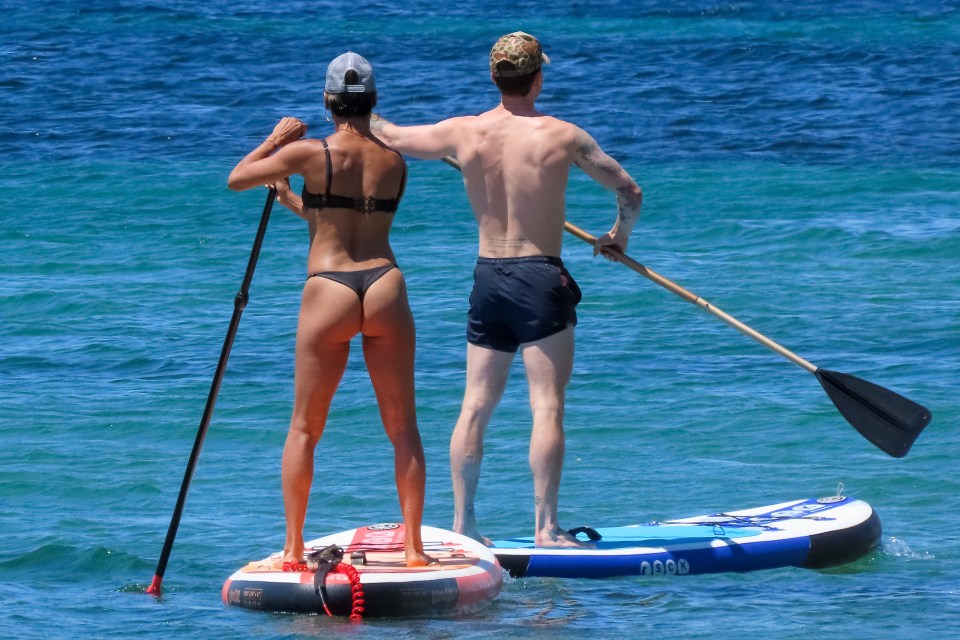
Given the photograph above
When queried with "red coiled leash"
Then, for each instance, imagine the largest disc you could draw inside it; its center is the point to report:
(359, 603)
(330, 560)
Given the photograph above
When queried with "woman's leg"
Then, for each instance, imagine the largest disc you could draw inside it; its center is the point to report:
(389, 345)
(330, 315)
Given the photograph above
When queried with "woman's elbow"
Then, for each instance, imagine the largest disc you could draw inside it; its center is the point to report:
(236, 183)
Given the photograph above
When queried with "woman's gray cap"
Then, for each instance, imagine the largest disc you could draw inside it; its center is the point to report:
(337, 71)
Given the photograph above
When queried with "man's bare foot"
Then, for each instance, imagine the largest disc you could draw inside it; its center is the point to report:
(475, 534)
(559, 539)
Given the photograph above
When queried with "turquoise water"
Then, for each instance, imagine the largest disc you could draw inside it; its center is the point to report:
(801, 170)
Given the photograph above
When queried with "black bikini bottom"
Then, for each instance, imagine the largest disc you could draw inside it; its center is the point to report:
(359, 281)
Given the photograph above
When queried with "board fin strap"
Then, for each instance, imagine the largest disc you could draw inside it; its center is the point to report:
(592, 534)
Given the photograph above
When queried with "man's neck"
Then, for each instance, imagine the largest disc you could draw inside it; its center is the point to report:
(520, 106)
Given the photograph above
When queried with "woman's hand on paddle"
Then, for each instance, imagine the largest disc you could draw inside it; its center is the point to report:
(289, 199)
(287, 130)
(283, 190)
(264, 165)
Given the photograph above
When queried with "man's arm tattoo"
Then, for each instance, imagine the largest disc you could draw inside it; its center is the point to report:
(589, 152)
(629, 197)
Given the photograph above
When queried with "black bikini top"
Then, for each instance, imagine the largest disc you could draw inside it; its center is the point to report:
(363, 204)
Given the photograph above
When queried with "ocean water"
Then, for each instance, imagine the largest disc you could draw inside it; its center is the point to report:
(801, 170)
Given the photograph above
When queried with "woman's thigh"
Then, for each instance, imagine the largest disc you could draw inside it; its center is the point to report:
(330, 315)
(389, 348)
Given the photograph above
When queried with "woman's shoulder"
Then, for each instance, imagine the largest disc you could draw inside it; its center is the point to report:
(310, 143)
(305, 147)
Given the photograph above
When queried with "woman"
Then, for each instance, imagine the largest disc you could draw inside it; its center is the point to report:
(352, 186)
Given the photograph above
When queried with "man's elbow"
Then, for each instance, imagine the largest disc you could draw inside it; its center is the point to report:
(632, 195)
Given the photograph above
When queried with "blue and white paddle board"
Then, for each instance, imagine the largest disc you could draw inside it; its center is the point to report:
(813, 533)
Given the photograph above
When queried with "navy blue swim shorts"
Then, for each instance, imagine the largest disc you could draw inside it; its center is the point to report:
(520, 300)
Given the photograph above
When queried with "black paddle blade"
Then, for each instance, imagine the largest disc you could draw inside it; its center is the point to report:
(883, 417)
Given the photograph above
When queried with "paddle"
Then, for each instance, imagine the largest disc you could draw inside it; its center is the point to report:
(238, 305)
(885, 418)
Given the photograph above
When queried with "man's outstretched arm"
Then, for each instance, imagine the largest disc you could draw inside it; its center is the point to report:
(428, 142)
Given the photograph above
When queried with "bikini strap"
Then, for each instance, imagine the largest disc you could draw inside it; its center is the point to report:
(403, 182)
(326, 151)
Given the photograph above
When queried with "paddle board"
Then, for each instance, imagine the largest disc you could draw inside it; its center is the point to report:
(465, 577)
(811, 533)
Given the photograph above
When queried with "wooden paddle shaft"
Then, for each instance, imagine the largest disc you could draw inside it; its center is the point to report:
(695, 299)
(689, 296)
(885, 418)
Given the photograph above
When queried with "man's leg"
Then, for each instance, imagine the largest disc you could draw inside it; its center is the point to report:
(549, 363)
(487, 372)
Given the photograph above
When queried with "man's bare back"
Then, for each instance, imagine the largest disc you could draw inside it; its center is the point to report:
(515, 166)
(516, 163)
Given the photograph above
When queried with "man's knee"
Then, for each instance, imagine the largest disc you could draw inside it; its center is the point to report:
(547, 408)
(481, 400)
(476, 412)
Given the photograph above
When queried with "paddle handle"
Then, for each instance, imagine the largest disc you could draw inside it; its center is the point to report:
(691, 297)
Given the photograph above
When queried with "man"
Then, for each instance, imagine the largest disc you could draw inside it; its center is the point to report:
(515, 163)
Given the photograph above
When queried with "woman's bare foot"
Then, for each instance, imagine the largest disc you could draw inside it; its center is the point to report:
(419, 559)
(282, 562)
(292, 555)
